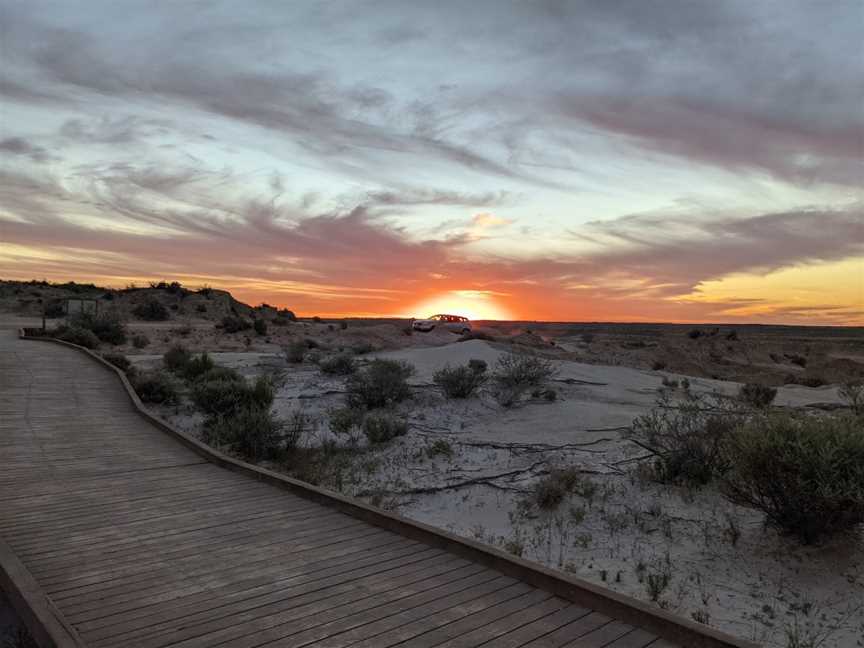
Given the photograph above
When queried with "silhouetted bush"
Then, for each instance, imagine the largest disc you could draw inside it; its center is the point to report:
(80, 336)
(250, 431)
(381, 427)
(461, 382)
(176, 358)
(233, 324)
(198, 366)
(757, 395)
(694, 334)
(156, 387)
(380, 384)
(151, 310)
(260, 326)
(806, 473)
(658, 365)
(106, 326)
(221, 397)
(341, 364)
(140, 341)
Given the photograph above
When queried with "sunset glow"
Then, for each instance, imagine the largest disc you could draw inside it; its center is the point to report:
(604, 161)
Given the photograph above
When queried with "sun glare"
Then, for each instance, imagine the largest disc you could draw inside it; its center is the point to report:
(473, 304)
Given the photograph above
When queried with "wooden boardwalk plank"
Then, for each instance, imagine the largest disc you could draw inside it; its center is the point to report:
(136, 541)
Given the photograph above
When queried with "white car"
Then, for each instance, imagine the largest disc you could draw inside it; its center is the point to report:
(454, 323)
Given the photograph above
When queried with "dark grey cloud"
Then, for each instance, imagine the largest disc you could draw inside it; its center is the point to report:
(20, 146)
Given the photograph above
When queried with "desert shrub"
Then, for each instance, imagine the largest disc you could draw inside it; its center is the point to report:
(658, 365)
(694, 334)
(522, 370)
(341, 364)
(222, 397)
(201, 308)
(287, 314)
(279, 321)
(688, 440)
(477, 335)
(218, 372)
(796, 359)
(140, 341)
(757, 395)
(80, 336)
(381, 427)
(549, 395)
(118, 360)
(852, 393)
(198, 366)
(17, 636)
(806, 473)
(343, 325)
(107, 326)
(250, 431)
(461, 382)
(439, 448)
(260, 326)
(380, 384)
(151, 310)
(176, 358)
(234, 324)
(156, 387)
(296, 351)
(345, 420)
(362, 348)
(551, 490)
(54, 309)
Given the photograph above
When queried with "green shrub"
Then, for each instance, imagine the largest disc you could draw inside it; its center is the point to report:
(461, 382)
(151, 310)
(381, 384)
(260, 326)
(118, 360)
(296, 351)
(346, 419)
(176, 358)
(222, 397)
(688, 438)
(806, 473)
(156, 387)
(252, 432)
(341, 364)
(107, 327)
(198, 366)
(80, 336)
(381, 427)
(756, 395)
(234, 324)
(140, 341)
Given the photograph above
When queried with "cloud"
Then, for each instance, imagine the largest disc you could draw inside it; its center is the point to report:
(20, 146)
(485, 220)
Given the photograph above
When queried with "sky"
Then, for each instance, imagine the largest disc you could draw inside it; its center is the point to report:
(584, 160)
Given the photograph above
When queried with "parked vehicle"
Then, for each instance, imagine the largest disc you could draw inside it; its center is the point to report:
(454, 323)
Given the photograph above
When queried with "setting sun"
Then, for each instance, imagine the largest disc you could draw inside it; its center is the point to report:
(473, 304)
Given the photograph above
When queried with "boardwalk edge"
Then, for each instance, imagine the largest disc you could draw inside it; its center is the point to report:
(627, 609)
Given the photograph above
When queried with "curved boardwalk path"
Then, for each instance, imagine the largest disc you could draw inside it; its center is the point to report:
(133, 540)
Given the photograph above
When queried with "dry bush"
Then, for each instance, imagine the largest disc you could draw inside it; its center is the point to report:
(806, 473)
(80, 336)
(381, 384)
(176, 358)
(687, 438)
(515, 373)
(461, 382)
(346, 420)
(106, 326)
(250, 431)
(221, 397)
(756, 395)
(260, 326)
(341, 364)
(295, 352)
(234, 324)
(198, 366)
(381, 427)
(151, 310)
(156, 387)
(852, 393)
(140, 341)
(551, 490)
(118, 360)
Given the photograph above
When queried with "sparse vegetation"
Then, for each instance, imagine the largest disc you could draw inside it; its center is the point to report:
(806, 473)
(550, 491)
(106, 326)
(295, 352)
(222, 396)
(234, 324)
(461, 382)
(260, 326)
(118, 360)
(345, 420)
(439, 448)
(140, 341)
(250, 431)
(198, 366)
(176, 358)
(80, 336)
(852, 393)
(381, 384)
(515, 373)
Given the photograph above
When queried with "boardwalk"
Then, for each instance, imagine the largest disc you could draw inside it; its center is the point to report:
(136, 541)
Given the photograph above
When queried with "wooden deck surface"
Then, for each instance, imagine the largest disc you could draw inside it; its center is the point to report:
(138, 542)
